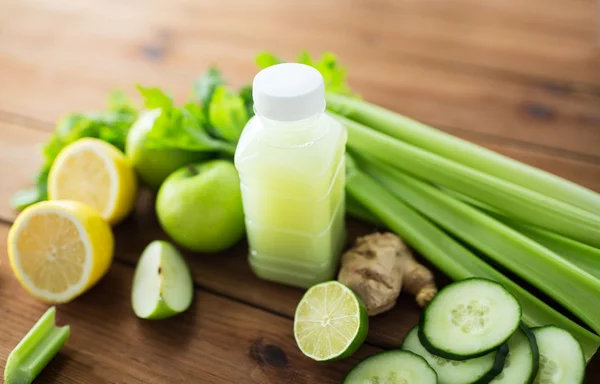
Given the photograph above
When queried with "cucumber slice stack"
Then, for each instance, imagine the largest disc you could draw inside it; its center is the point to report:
(472, 333)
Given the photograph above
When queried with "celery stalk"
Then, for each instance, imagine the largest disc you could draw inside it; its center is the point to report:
(572, 287)
(521, 203)
(36, 350)
(358, 211)
(582, 255)
(464, 152)
(451, 257)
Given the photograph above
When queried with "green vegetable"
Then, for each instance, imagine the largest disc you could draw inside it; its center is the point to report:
(393, 366)
(227, 114)
(35, 351)
(246, 95)
(178, 127)
(267, 59)
(581, 255)
(111, 126)
(334, 74)
(526, 205)
(450, 256)
(573, 288)
(469, 319)
(205, 86)
(358, 211)
(155, 98)
(223, 111)
(561, 358)
(463, 152)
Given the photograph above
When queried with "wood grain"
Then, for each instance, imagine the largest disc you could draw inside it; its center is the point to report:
(519, 77)
(217, 340)
(540, 38)
(171, 43)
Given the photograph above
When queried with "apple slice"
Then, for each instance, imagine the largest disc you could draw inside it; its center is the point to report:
(162, 283)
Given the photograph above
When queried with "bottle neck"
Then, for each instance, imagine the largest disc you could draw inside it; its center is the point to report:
(294, 133)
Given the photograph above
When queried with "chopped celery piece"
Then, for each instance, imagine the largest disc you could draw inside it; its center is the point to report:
(464, 152)
(451, 257)
(572, 287)
(36, 350)
(527, 205)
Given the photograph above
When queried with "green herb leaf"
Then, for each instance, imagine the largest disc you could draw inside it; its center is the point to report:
(246, 95)
(25, 197)
(196, 111)
(267, 59)
(179, 128)
(227, 114)
(304, 58)
(202, 93)
(205, 86)
(155, 98)
(334, 74)
(118, 101)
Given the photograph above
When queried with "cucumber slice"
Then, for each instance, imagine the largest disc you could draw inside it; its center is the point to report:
(521, 363)
(561, 357)
(392, 367)
(479, 370)
(468, 319)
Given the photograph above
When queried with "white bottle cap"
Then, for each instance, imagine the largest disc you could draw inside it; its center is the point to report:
(288, 92)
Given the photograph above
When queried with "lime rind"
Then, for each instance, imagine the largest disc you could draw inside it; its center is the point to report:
(327, 329)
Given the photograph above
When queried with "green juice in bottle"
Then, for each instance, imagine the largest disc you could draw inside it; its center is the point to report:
(290, 158)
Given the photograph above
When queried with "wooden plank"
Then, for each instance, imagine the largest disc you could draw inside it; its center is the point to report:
(538, 38)
(217, 340)
(169, 48)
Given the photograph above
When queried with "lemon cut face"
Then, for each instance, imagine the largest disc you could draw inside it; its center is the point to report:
(59, 249)
(96, 173)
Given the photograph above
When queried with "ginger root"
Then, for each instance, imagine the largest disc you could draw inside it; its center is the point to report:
(379, 266)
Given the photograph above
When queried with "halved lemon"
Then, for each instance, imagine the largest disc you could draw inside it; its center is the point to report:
(95, 173)
(59, 249)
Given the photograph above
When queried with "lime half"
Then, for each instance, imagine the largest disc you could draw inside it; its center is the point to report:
(330, 322)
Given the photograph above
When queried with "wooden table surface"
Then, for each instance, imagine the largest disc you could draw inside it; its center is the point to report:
(520, 77)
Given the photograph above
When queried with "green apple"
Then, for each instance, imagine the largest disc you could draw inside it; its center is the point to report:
(162, 283)
(200, 206)
(154, 165)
